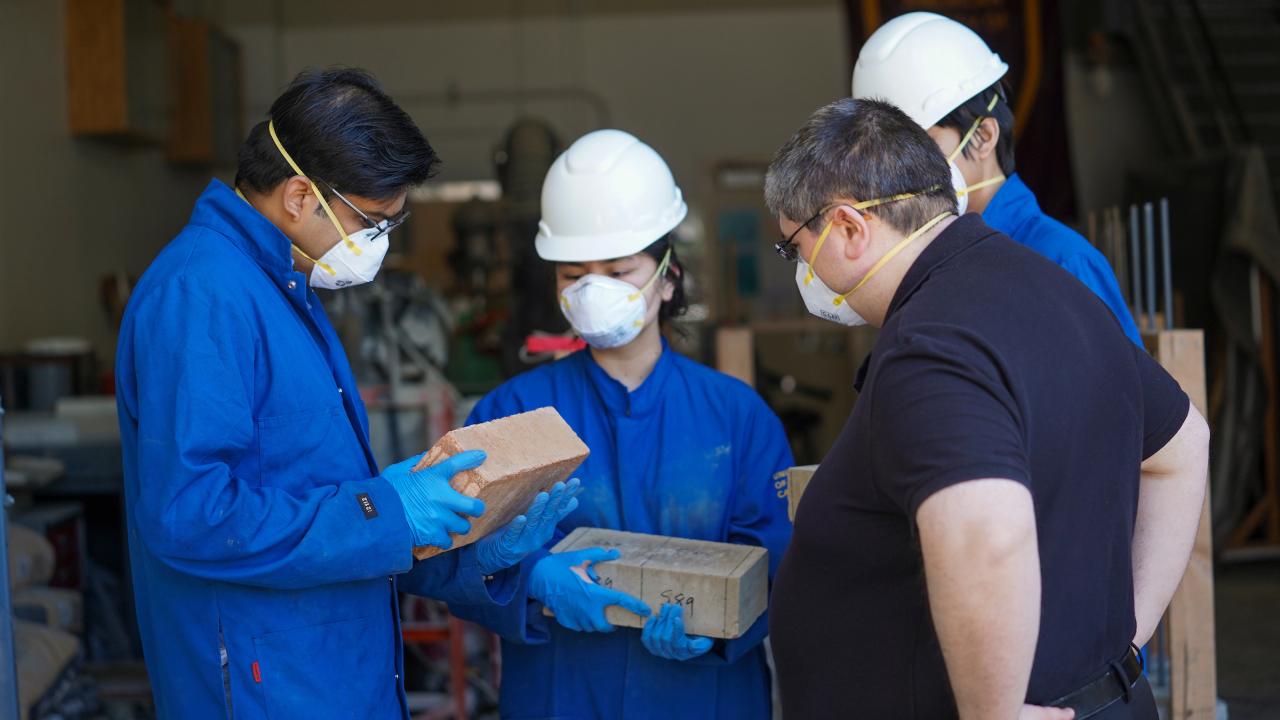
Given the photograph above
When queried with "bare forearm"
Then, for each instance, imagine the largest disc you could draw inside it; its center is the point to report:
(1170, 498)
(982, 567)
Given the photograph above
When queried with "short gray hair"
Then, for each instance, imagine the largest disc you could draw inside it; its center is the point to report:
(860, 150)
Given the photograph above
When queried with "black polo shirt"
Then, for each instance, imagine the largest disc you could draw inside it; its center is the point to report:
(993, 363)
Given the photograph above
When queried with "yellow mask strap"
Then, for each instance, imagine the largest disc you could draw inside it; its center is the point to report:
(979, 185)
(271, 128)
(808, 277)
(972, 129)
(323, 266)
(902, 244)
(662, 270)
(892, 198)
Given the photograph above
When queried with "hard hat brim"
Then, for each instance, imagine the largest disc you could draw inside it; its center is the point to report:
(598, 248)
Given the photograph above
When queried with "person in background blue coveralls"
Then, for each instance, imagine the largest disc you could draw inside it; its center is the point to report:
(677, 449)
(945, 77)
(266, 547)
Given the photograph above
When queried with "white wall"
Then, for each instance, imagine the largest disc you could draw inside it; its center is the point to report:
(70, 210)
(698, 86)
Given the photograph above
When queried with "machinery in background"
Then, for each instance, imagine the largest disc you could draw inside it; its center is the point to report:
(521, 162)
(397, 331)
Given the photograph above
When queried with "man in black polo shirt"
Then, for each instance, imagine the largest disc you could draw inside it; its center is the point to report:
(1014, 498)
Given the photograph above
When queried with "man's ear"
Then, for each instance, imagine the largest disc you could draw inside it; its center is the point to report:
(297, 198)
(851, 231)
(985, 139)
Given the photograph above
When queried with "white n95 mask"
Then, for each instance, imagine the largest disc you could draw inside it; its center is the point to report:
(822, 301)
(607, 312)
(962, 189)
(355, 260)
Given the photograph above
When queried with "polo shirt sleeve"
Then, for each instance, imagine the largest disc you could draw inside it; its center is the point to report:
(1164, 404)
(942, 413)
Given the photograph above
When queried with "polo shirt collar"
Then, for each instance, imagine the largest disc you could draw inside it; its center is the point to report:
(1012, 206)
(960, 235)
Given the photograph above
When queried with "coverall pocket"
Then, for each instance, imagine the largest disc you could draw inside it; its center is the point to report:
(325, 671)
(288, 446)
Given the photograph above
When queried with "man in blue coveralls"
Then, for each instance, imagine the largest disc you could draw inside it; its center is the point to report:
(942, 75)
(267, 549)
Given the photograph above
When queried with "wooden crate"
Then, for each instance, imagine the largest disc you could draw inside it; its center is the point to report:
(722, 587)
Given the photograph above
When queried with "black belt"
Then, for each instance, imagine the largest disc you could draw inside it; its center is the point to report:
(1114, 685)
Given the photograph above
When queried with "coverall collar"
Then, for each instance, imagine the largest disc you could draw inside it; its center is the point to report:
(221, 210)
(1011, 206)
(643, 399)
(967, 230)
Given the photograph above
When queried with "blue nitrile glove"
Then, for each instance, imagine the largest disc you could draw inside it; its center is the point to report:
(433, 508)
(664, 636)
(529, 531)
(561, 582)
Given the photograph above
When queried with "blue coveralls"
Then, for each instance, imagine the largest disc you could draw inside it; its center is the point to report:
(690, 453)
(1014, 211)
(260, 580)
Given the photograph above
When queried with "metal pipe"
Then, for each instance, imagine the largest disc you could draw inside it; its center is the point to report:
(1135, 263)
(8, 657)
(1168, 263)
(1149, 232)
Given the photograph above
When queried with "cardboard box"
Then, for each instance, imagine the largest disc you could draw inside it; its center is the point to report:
(527, 454)
(797, 480)
(723, 587)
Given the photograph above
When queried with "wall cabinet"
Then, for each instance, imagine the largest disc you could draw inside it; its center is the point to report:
(117, 76)
(206, 87)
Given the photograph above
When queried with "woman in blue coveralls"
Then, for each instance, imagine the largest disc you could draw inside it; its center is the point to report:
(677, 449)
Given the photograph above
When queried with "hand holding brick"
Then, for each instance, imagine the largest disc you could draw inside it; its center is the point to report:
(526, 454)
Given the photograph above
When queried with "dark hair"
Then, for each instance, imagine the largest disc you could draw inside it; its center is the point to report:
(339, 127)
(860, 150)
(679, 302)
(963, 117)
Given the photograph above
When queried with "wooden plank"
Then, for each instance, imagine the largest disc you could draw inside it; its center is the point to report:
(1190, 619)
(735, 353)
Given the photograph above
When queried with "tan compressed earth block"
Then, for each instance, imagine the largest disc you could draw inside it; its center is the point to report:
(722, 587)
(527, 454)
(797, 480)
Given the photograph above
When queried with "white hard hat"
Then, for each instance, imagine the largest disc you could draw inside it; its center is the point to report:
(926, 64)
(608, 196)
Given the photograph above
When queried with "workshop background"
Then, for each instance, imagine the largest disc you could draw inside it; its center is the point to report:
(118, 112)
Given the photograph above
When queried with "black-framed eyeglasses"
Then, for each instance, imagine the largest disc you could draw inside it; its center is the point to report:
(382, 227)
(787, 247)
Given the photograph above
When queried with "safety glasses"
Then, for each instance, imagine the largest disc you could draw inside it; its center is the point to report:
(787, 247)
(382, 227)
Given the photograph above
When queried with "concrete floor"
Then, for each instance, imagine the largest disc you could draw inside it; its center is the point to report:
(1247, 599)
